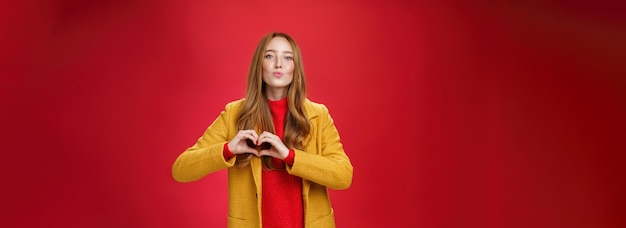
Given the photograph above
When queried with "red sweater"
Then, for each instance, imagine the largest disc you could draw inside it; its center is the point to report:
(282, 192)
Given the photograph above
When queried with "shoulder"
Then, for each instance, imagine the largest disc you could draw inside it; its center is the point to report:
(314, 109)
(235, 104)
(233, 107)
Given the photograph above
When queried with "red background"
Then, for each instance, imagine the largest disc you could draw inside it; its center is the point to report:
(454, 114)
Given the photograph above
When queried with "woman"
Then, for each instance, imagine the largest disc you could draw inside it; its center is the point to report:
(281, 150)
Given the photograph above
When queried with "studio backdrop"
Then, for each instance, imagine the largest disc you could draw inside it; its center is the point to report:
(454, 114)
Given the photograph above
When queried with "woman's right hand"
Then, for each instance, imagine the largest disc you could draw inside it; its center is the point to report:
(238, 144)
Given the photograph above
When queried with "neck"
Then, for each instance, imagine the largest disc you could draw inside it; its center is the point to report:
(276, 94)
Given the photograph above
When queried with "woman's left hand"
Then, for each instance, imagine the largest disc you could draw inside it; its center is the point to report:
(278, 149)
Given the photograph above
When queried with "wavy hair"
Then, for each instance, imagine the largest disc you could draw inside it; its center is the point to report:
(255, 113)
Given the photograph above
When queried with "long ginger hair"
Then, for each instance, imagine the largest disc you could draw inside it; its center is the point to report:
(255, 113)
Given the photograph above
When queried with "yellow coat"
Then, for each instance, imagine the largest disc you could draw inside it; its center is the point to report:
(323, 163)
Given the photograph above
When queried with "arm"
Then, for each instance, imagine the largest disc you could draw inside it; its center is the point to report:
(206, 156)
(331, 167)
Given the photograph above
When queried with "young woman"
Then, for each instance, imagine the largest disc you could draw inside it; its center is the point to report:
(281, 150)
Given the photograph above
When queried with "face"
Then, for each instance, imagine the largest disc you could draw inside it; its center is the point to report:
(278, 65)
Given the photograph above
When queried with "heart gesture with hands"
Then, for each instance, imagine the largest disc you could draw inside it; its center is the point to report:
(266, 144)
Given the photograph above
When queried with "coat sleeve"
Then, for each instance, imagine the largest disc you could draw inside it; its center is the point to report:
(331, 167)
(206, 156)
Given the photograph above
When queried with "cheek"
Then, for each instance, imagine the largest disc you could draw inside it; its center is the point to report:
(267, 66)
(290, 68)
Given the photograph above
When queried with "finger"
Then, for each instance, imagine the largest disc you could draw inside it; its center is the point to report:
(251, 134)
(246, 132)
(272, 153)
(247, 150)
(251, 138)
(255, 152)
(269, 140)
(268, 135)
(266, 153)
(276, 145)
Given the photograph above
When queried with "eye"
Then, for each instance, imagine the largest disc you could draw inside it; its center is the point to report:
(288, 58)
(268, 56)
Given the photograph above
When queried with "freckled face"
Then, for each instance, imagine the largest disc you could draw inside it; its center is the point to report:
(278, 64)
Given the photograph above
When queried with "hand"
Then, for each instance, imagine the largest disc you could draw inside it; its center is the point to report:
(278, 149)
(238, 144)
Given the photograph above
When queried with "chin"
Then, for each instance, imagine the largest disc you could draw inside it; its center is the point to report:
(277, 83)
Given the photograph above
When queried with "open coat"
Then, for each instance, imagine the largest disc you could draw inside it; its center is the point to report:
(323, 163)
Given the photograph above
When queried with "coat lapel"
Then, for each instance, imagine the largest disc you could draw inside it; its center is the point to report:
(257, 167)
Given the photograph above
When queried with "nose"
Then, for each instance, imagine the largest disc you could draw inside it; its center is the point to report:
(278, 63)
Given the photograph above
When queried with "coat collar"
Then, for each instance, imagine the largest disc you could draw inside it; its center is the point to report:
(310, 109)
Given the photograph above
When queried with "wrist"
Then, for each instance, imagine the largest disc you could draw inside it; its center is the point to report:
(290, 157)
(227, 153)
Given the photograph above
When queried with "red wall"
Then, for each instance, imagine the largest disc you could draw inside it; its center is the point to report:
(454, 115)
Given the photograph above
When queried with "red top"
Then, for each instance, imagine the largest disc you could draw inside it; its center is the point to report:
(282, 192)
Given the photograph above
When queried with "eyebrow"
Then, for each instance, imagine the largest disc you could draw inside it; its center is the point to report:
(275, 51)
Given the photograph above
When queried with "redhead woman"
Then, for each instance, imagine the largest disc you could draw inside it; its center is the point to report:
(282, 151)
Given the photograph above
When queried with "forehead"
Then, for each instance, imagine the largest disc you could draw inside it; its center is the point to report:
(279, 44)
